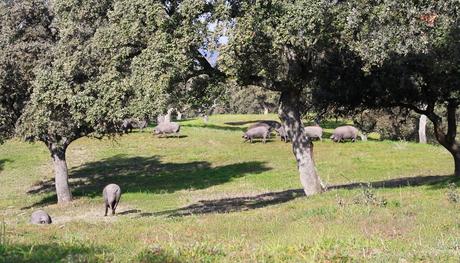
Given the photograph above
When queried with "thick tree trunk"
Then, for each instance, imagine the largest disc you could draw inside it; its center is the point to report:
(61, 174)
(448, 140)
(179, 115)
(302, 147)
(457, 163)
(422, 129)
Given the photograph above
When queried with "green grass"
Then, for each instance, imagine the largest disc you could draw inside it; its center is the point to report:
(209, 197)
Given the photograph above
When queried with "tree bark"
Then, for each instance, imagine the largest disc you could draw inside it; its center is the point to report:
(422, 129)
(448, 140)
(457, 163)
(302, 147)
(179, 115)
(61, 177)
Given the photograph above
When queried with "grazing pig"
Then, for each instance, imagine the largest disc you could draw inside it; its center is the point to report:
(167, 128)
(129, 124)
(314, 132)
(40, 217)
(283, 134)
(111, 194)
(259, 124)
(345, 132)
(257, 132)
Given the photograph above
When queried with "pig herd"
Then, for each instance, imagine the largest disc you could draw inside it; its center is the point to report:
(261, 130)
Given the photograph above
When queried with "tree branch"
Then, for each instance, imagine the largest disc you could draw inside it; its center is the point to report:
(452, 106)
(207, 68)
(264, 83)
(411, 107)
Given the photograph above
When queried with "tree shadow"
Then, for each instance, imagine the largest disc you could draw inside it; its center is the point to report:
(215, 127)
(3, 162)
(147, 174)
(167, 136)
(434, 181)
(237, 204)
(49, 253)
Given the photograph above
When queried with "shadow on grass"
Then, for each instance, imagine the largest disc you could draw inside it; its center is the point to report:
(236, 204)
(51, 253)
(167, 136)
(146, 174)
(2, 163)
(215, 127)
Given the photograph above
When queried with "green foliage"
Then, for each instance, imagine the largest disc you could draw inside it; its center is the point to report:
(97, 62)
(251, 99)
(26, 37)
(277, 45)
(394, 56)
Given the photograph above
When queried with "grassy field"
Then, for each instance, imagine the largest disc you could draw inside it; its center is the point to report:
(208, 197)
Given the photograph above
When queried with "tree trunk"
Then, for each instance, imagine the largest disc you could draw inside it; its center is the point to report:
(302, 147)
(457, 163)
(179, 115)
(61, 177)
(422, 129)
(448, 140)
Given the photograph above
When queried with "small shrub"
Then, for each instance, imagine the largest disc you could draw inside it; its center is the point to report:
(368, 197)
(452, 193)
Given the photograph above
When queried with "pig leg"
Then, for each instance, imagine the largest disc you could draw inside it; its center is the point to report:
(106, 209)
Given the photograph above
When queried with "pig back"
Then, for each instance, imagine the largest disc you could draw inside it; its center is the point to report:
(111, 192)
(313, 131)
(167, 127)
(40, 217)
(346, 132)
(258, 131)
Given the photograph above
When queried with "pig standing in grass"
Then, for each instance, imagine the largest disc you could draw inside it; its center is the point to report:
(111, 194)
(40, 217)
(314, 132)
(283, 134)
(257, 132)
(345, 132)
(129, 124)
(167, 128)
